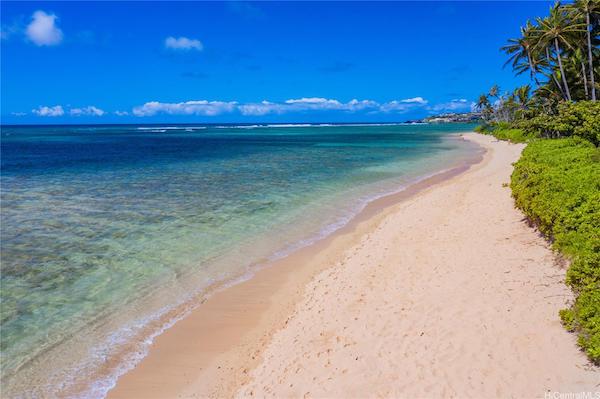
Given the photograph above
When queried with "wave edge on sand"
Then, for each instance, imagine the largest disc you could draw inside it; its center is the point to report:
(431, 327)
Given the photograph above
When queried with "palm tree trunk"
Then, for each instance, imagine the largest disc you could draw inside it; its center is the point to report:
(590, 61)
(562, 92)
(532, 69)
(562, 71)
(585, 83)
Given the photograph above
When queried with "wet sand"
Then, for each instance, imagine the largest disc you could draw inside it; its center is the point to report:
(441, 290)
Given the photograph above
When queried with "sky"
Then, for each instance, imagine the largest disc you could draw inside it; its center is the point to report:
(215, 62)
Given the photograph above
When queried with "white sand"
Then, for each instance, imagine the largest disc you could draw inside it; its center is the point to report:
(451, 295)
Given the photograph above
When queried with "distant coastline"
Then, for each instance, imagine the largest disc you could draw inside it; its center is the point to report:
(450, 117)
(223, 124)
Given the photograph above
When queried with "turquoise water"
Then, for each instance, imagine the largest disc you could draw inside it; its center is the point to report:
(105, 229)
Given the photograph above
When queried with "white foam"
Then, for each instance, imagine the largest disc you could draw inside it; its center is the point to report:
(159, 128)
(292, 125)
(127, 334)
(344, 220)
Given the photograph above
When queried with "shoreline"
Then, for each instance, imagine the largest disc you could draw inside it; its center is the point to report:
(269, 334)
(451, 295)
(265, 283)
(132, 342)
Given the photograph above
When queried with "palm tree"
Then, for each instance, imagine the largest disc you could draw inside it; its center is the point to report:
(547, 97)
(557, 29)
(483, 102)
(578, 57)
(577, 62)
(588, 8)
(521, 94)
(494, 91)
(508, 107)
(550, 72)
(522, 52)
(484, 106)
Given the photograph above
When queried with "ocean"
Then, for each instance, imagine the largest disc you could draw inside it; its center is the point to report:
(109, 234)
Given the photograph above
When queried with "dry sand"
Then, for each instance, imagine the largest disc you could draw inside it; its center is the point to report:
(448, 293)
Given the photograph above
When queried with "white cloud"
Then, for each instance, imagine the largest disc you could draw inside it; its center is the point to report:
(86, 111)
(317, 103)
(210, 108)
(262, 108)
(358, 105)
(312, 103)
(57, 110)
(18, 113)
(201, 107)
(456, 105)
(311, 100)
(42, 29)
(394, 106)
(304, 104)
(183, 43)
(414, 100)
(402, 106)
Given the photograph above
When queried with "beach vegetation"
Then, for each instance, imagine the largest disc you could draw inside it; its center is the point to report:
(581, 119)
(556, 182)
(560, 53)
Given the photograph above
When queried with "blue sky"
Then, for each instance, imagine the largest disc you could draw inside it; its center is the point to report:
(147, 62)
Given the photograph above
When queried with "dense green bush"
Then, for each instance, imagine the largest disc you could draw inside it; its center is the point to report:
(483, 128)
(512, 135)
(580, 119)
(557, 185)
(503, 131)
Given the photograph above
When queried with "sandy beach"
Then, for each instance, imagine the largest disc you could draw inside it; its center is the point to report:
(440, 291)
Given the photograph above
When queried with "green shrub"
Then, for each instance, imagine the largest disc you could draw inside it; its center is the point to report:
(557, 185)
(481, 128)
(502, 125)
(581, 119)
(512, 135)
(503, 131)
